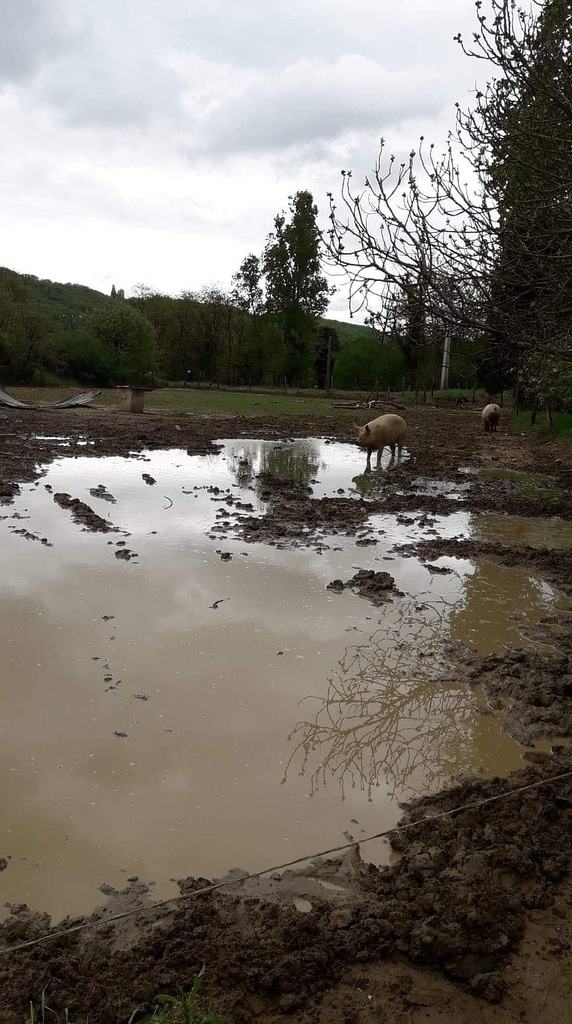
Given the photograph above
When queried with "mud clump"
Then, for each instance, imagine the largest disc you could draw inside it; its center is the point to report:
(125, 554)
(83, 514)
(149, 479)
(552, 562)
(8, 491)
(31, 536)
(272, 487)
(295, 518)
(374, 586)
(534, 690)
(101, 492)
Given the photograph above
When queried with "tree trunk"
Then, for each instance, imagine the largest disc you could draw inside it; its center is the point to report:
(549, 419)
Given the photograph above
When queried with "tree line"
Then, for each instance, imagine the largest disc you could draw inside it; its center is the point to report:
(265, 329)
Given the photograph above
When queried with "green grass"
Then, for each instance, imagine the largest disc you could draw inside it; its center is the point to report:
(450, 394)
(207, 403)
(562, 425)
(203, 402)
(43, 1014)
(180, 1009)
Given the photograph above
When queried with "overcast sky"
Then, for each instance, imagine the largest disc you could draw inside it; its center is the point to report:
(154, 140)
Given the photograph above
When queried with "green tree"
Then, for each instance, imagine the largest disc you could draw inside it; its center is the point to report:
(260, 340)
(296, 290)
(118, 342)
(364, 364)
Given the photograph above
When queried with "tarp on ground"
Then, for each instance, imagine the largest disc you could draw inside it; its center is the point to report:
(11, 403)
(84, 399)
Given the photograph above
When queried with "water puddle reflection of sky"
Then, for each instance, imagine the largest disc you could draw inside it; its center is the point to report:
(147, 732)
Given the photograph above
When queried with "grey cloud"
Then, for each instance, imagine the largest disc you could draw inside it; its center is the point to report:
(311, 102)
(110, 89)
(274, 33)
(32, 31)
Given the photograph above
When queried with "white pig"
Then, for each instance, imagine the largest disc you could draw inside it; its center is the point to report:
(390, 430)
(491, 415)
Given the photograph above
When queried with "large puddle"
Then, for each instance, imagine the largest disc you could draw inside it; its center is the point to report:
(181, 714)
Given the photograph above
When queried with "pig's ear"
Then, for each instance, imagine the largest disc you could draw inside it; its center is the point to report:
(366, 428)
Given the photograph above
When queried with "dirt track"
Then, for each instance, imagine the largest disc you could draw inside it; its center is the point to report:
(478, 906)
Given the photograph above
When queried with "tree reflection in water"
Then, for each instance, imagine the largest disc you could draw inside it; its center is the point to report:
(298, 462)
(394, 713)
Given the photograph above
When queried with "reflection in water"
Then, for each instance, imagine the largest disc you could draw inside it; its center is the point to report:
(299, 462)
(373, 481)
(394, 714)
(369, 484)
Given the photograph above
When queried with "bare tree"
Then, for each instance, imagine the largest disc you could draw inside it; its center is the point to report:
(483, 230)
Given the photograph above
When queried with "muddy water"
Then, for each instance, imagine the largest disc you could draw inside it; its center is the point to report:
(152, 722)
(536, 533)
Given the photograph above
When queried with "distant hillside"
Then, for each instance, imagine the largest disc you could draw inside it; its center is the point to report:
(53, 297)
(57, 298)
(348, 332)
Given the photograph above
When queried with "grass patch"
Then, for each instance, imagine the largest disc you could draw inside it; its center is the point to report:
(208, 403)
(235, 403)
(43, 1014)
(562, 425)
(180, 1009)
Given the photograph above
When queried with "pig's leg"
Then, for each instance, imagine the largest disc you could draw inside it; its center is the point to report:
(369, 458)
(379, 454)
(399, 447)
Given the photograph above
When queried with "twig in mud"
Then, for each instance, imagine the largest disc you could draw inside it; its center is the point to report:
(165, 507)
(220, 601)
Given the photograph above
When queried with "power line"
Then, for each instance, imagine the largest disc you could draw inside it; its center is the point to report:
(280, 867)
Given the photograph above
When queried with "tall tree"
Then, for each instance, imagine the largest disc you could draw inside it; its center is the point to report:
(119, 342)
(297, 291)
(494, 256)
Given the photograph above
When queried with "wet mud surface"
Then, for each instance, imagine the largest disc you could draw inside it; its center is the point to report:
(448, 932)
(457, 900)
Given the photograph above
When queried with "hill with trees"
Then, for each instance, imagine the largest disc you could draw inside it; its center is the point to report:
(267, 329)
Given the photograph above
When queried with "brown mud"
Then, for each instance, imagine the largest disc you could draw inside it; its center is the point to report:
(474, 920)
(554, 564)
(83, 515)
(375, 587)
(459, 900)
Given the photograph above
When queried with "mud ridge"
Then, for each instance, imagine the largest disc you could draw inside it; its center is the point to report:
(83, 515)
